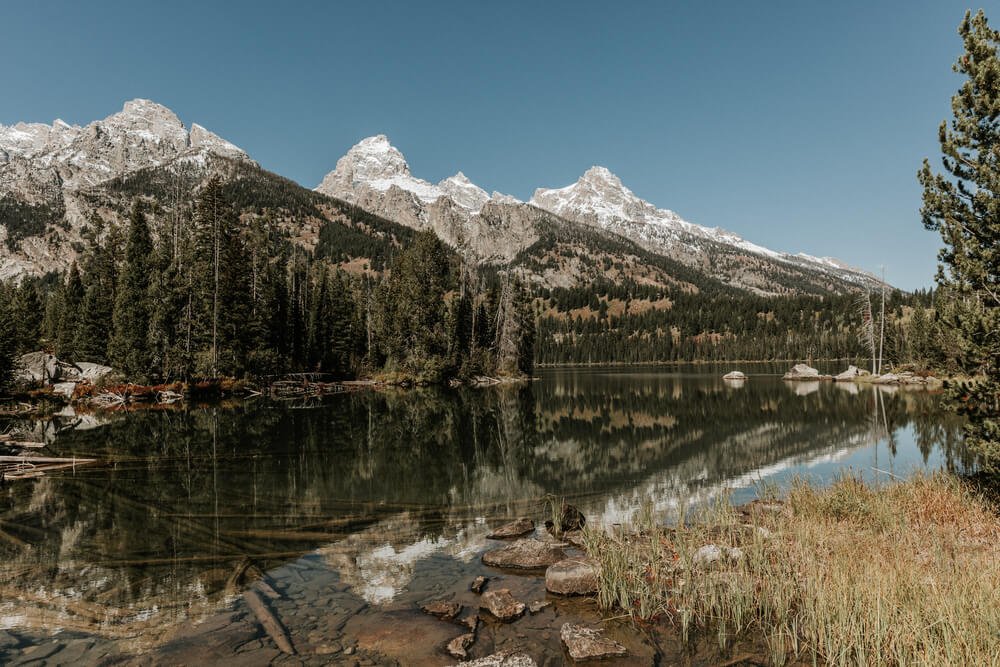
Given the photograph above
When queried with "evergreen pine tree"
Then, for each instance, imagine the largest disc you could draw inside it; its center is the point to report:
(69, 316)
(129, 346)
(26, 312)
(964, 206)
(7, 340)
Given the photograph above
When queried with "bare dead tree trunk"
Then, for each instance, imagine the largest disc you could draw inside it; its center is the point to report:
(881, 336)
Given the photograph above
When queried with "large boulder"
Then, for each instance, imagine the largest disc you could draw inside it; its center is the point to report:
(92, 372)
(572, 576)
(45, 367)
(502, 604)
(734, 375)
(802, 372)
(38, 367)
(525, 554)
(588, 644)
(848, 375)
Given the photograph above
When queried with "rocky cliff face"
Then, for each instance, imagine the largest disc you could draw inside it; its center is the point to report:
(486, 228)
(45, 168)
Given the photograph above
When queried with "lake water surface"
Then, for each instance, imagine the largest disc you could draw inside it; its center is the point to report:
(364, 505)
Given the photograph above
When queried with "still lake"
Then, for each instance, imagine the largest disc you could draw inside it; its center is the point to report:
(364, 505)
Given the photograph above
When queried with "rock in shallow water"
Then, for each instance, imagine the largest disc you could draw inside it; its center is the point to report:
(525, 554)
(478, 584)
(801, 372)
(502, 604)
(459, 646)
(572, 576)
(517, 528)
(586, 643)
(502, 659)
(538, 605)
(443, 609)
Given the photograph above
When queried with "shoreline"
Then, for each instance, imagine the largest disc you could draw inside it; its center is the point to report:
(849, 572)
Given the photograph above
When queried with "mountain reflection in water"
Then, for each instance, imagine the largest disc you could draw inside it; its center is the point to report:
(372, 483)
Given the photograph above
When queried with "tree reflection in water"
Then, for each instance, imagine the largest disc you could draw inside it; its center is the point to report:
(375, 481)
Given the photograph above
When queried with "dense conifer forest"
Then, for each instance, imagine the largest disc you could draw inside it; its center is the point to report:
(209, 279)
(219, 295)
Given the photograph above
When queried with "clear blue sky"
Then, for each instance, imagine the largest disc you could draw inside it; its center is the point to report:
(799, 125)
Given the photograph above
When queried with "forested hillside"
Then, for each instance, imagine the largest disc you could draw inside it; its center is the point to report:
(214, 266)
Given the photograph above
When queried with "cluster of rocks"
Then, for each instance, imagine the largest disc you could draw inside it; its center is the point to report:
(905, 377)
(63, 376)
(855, 374)
(567, 572)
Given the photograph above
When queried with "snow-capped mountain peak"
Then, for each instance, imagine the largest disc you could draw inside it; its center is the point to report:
(374, 165)
(599, 198)
(464, 192)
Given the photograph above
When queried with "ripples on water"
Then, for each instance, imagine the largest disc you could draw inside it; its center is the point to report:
(372, 487)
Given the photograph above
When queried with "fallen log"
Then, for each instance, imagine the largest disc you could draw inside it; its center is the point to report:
(269, 622)
(27, 467)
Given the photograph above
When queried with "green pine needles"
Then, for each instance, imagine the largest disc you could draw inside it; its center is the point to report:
(963, 204)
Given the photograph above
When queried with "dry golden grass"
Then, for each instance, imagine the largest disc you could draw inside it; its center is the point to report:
(904, 574)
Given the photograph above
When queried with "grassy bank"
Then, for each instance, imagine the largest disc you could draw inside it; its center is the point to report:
(905, 574)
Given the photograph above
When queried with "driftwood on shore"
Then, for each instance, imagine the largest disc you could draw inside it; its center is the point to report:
(269, 622)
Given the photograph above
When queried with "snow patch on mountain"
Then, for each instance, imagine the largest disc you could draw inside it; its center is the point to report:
(599, 198)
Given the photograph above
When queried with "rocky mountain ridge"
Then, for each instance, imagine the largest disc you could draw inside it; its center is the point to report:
(55, 179)
(44, 169)
(375, 175)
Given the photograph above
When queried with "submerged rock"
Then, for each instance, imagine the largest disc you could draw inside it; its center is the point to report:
(502, 659)
(538, 605)
(734, 375)
(588, 644)
(517, 528)
(443, 609)
(802, 372)
(459, 646)
(502, 604)
(478, 584)
(573, 576)
(525, 554)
